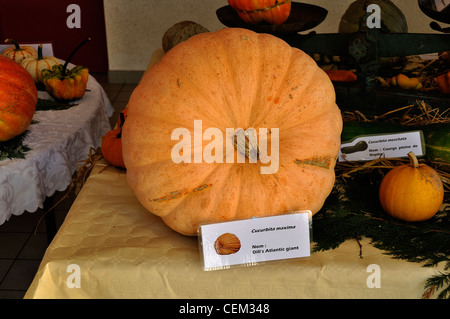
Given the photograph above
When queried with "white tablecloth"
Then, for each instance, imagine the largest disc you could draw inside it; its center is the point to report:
(58, 140)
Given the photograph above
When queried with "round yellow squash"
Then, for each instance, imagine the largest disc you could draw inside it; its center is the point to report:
(231, 125)
(411, 192)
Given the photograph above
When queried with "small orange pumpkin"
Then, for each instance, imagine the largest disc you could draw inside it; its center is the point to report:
(64, 84)
(411, 192)
(18, 97)
(255, 11)
(112, 145)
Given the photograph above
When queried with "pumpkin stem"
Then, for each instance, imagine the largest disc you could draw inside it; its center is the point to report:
(72, 54)
(40, 56)
(16, 44)
(413, 160)
(245, 143)
(122, 119)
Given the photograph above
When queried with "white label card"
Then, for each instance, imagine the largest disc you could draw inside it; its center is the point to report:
(251, 241)
(371, 147)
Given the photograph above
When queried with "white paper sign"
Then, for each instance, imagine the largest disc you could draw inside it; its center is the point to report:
(251, 241)
(370, 147)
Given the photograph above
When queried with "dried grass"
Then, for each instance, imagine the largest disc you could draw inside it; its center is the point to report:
(419, 114)
(415, 115)
(84, 168)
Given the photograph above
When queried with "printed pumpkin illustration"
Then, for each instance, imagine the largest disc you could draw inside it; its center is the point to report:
(227, 244)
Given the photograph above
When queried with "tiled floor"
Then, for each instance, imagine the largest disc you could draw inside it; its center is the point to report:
(22, 241)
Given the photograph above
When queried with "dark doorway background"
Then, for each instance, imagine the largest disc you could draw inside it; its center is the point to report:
(31, 21)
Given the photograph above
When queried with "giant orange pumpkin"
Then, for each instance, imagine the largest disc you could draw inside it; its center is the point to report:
(255, 11)
(222, 81)
(112, 147)
(18, 97)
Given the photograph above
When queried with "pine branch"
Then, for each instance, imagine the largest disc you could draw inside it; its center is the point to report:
(435, 283)
(52, 105)
(14, 148)
(351, 212)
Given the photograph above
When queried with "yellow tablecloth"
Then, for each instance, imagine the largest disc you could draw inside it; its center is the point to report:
(121, 251)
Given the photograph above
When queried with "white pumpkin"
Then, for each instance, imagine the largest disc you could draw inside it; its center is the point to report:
(35, 65)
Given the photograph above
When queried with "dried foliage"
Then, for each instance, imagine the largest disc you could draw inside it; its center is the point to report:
(352, 212)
